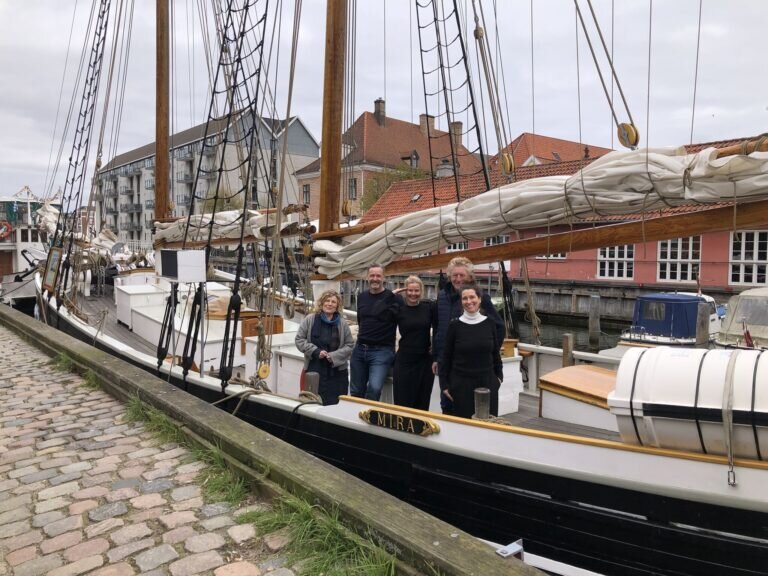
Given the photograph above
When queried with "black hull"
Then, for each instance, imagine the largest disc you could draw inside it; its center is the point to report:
(601, 528)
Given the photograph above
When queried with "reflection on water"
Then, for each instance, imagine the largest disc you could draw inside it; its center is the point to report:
(552, 335)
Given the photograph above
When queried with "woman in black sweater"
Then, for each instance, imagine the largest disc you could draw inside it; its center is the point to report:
(412, 375)
(471, 357)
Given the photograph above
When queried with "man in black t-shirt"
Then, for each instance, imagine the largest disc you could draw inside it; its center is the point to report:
(375, 349)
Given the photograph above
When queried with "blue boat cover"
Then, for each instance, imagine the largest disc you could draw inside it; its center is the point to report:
(667, 314)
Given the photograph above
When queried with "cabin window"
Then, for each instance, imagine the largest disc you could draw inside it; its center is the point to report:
(749, 257)
(679, 259)
(305, 193)
(458, 246)
(352, 189)
(616, 262)
(24, 235)
(552, 255)
(653, 311)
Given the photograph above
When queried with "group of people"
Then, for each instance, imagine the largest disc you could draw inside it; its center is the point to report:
(457, 337)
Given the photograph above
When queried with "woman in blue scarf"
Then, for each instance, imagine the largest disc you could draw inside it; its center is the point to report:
(326, 342)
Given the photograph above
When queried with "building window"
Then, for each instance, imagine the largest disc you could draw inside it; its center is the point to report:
(352, 189)
(616, 262)
(749, 256)
(553, 255)
(679, 259)
(458, 246)
(305, 192)
(496, 240)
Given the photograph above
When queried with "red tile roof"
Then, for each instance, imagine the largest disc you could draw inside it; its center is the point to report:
(386, 145)
(550, 150)
(413, 195)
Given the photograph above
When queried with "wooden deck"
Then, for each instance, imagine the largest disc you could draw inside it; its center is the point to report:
(526, 417)
(94, 305)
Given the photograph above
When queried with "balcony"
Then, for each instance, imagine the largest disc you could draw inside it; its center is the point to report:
(111, 210)
(133, 169)
(183, 154)
(183, 177)
(149, 184)
(135, 226)
(134, 207)
(149, 204)
(126, 190)
(124, 226)
(183, 200)
(111, 193)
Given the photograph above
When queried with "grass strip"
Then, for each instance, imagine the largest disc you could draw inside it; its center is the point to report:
(219, 483)
(319, 541)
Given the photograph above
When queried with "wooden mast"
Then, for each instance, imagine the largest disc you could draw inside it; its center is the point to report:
(333, 102)
(162, 171)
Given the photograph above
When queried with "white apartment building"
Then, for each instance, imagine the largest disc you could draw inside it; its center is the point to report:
(125, 197)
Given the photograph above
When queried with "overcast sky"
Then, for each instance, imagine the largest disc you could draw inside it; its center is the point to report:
(731, 99)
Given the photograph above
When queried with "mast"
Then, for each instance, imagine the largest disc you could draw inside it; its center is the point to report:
(162, 172)
(333, 103)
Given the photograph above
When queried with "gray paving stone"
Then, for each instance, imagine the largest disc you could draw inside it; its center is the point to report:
(21, 513)
(64, 525)
(53, 504)
(38, 476)
(104, 526)
(153, 486)
(282, 572)
(76, 467)
(62, 478)
(80, 567)
(107, 511)
(126, 483)
(38, 566)
(185, 493)
(204, 542)
(117, 554)
(60, 490)
(272, 564)
(196, 563)
(14, 528)
(217, 522)
(155, 557)
(130, 533)
(15, 502)
(210, 510)
(46, 518)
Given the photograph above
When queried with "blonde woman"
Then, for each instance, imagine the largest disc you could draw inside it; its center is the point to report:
(326, 342)
(412, 376)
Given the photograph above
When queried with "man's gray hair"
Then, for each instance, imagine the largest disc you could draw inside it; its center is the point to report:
(462, 262)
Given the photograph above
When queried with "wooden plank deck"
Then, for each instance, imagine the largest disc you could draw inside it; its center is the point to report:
(94, 305)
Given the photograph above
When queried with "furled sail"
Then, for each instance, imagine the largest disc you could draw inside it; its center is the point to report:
(618, 183)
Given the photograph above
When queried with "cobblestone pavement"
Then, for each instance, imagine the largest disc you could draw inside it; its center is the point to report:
(84, 491)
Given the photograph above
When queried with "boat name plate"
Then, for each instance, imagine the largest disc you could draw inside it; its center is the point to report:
(400, 422)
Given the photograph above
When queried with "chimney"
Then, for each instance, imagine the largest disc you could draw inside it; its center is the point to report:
(379, 111)
(456, 134)
(426, 124)
(444, 169)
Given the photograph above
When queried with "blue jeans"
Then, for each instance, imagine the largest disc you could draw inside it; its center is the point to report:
(369, 368)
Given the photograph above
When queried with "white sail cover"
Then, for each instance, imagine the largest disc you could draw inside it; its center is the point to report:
(226, 225)
(617, 183)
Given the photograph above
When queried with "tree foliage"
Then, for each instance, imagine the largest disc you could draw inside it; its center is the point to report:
(226, 201)
(381, 181)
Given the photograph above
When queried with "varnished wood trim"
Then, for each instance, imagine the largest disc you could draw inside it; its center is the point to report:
(574, 395)
(560, 437)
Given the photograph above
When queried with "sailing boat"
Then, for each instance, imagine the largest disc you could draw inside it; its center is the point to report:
(684, 494)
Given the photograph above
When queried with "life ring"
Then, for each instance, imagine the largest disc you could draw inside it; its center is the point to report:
(5, 229)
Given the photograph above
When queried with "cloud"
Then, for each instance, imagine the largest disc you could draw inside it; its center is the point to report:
(731, 88)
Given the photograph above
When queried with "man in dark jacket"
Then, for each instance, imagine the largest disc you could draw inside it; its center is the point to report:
(374, 352)
(460, 272)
